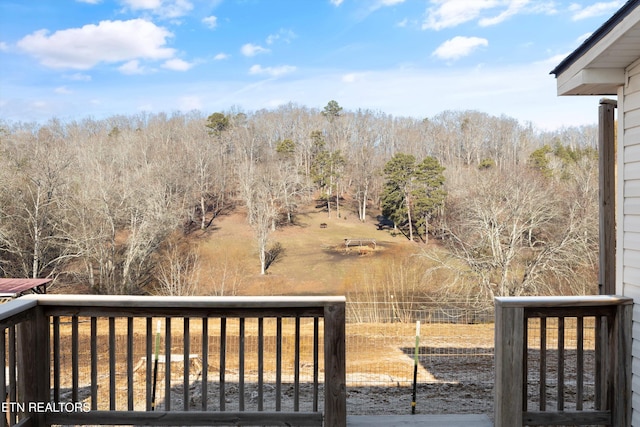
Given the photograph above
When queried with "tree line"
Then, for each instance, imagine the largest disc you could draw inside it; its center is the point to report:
(110, 203)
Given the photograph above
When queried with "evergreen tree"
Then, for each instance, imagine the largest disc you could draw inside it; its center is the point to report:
(396, 203)
(217, 123)
(332, 110)
(412, 192)
(429, 193)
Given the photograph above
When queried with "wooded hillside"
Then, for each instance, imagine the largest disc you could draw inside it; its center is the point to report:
(117, 205)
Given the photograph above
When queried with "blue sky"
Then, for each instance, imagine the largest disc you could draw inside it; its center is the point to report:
(72, 59)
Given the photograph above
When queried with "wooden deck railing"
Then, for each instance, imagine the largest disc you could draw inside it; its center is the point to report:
(609, 320)
(91, 360)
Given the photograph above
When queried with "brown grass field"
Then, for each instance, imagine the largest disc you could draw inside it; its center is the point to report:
(314, 260)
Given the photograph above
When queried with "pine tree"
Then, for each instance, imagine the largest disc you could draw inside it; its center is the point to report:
(429, 193)
(412, 192)
(396, 194)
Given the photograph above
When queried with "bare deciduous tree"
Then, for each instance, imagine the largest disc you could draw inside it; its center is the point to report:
(177, 270)
(514, 234)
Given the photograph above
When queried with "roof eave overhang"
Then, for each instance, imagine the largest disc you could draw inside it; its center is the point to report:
(590, 81)
(589, 70)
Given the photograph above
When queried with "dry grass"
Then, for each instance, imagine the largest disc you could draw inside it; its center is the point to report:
(314, 261)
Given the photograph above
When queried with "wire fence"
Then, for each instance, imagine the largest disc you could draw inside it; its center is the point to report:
(456, 342)
(455, 357)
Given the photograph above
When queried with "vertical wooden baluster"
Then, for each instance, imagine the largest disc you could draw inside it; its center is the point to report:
(187, 363)
(579, 362)
(610, 358)
(94, 363)
(543, 363)
(241, 364)
(598, 362)
(3, 371)
(130, 388)
(279, 364)
(12, 372)
(525, 362)
(296, 380)
(167, 364)
(56, 359)
(560, 363)
(149, 355)
(223, 355)
(112, 364)
(316, 339)
(260, 363)
(205, 361)
(74, 358)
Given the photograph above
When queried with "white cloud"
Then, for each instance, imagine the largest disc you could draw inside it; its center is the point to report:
(62, 90)
(451, 13)
(336, 2)
(594, 10)
(107, 42)
(132, 67)
(4, 47)
(79, 77)
(353, 77)
(459, 47)
(162, 8)
(514, 7)
(250, 49)
(384, 3)
(282, 35)
(89, 1)
(272, 71)
(210, 21)
(350, 78)
(143, 4)
(221, 56)
(583, 37)
(177, 65)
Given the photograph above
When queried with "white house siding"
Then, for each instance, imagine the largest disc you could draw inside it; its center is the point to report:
(629, 160)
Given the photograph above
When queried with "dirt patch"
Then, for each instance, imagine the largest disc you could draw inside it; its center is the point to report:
(433, 398)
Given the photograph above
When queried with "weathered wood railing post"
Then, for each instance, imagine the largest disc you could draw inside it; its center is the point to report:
(509, 348)
(32, 352)
(620, 353)
(335, 393)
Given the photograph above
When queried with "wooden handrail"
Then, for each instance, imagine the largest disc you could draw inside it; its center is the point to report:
(562, 301)
(612, 320)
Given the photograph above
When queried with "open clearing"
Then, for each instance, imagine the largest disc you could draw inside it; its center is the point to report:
(314, 261)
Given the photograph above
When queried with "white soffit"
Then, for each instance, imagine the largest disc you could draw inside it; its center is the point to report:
(592, 81)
